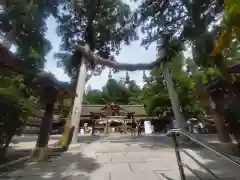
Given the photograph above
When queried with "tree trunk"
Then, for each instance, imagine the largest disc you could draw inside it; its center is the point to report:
(208, 104)
(174, 99)
(222, 130)
(223, 133)
(222, 67)
(210, 108)
(77, 105)
(46, 125)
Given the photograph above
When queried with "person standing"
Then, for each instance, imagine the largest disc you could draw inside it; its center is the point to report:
(138, 128)
(93, 127)
(133, 130)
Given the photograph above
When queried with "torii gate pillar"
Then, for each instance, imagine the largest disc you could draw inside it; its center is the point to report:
(180, 123)
(77, 106)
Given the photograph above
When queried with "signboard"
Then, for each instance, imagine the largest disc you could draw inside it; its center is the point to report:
(148, 127)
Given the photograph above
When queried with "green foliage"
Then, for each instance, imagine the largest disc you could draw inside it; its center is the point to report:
(101, 24)
(16, 105)
(25, 20)
(135, 95)
(13, 87)
(195, 23)
(192, 22)
(175, 18)
(232, 53)
(94, 97)
(155, 92)
(62, 108)
(114, 91)
(229, 26)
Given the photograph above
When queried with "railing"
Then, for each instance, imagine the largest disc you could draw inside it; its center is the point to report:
(181, 165)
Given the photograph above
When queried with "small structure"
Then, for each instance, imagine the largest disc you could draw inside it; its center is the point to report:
(111, 117)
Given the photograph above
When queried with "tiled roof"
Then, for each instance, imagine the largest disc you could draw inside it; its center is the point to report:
(87, 109)
(137, 109)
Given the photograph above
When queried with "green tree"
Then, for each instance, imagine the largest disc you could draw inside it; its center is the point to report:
(193, 22)
(63, 107)
(115, 91)
(16, 103)
(22, 23)
(135, 94)
(154, 92)
(94, 97)
(103, 25)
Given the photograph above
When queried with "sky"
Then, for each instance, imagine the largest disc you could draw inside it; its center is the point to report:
(132, 53)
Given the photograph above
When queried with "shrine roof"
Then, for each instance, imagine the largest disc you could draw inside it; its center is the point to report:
(138, 110)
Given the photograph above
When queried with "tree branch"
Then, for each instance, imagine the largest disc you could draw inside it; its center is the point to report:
(120, 66)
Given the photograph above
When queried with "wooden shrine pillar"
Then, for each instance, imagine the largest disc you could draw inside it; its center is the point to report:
(124, 126)
(106, 127)
(48, 98)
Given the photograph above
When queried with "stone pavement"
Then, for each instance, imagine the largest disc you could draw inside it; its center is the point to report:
(130, 160)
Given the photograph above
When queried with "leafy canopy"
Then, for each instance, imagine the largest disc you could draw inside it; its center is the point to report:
(23, 23)
(101, 24)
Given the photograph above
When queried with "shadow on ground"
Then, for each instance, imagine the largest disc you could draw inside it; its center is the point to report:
(57, 166)
(13, 154)
(69, 164)
(218, 165)
(222, 168)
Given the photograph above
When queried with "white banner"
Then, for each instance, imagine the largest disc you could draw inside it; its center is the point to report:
(148, 127)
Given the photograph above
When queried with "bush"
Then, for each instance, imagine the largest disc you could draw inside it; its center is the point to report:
(15, 108)
(10, 122)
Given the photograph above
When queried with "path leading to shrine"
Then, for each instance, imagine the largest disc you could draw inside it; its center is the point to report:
(122, 158)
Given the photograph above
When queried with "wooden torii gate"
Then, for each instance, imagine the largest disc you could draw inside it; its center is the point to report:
(87, 55)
